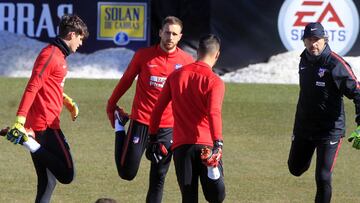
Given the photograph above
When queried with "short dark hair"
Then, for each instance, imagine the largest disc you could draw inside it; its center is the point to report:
(105, 200)
(72, 23)
(208, 44)
(172, 20)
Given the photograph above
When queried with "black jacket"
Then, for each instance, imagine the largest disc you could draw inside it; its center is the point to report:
(323, 82)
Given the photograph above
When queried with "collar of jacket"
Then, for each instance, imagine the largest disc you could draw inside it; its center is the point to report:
(62, 46)
(318, 60)
(167, 54)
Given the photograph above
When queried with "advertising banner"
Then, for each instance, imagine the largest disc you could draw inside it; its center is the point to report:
(251, 31)
(339, 18)
(110, 23)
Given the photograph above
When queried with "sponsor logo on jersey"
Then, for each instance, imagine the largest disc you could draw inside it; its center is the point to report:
(177, 66)
(320, 84)
(156, 81)
(340, 19)
(152, 65)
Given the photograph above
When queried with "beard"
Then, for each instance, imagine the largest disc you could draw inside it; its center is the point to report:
(168, 45)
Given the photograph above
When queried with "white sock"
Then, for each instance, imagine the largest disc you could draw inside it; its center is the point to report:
(31, 145)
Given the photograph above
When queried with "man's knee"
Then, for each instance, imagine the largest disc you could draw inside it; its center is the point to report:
(126, 174)
(66, 177)
(215, 193)
(296, 171)
(216, 197)
(323, 179)
(66, 180)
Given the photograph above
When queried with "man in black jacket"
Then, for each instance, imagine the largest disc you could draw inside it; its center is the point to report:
(320, 118)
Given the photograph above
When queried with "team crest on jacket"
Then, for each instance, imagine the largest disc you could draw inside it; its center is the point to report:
(177, 66)
(321, 72)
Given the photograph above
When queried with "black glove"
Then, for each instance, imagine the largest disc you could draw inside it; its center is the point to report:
(155, 150)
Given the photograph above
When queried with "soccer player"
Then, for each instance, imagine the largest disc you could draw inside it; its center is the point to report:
(151, 65)
(37, 125)
(325, 78)
(196, 94)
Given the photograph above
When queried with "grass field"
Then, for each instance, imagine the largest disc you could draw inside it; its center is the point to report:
(257, 124)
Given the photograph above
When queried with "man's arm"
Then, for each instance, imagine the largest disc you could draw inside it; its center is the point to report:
(40, 73)
(123, 85)
(348, 84)
(215, 100)
(38, 77)
(156, 150)
(212, 156)
(160, 105)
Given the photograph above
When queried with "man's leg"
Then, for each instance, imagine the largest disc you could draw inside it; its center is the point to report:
(46, 182)
(214, 190)
(52, 161)
(159, 170)
(55, 155)
(326, 153)
(128, 156)
(186, 175)
(300, 155)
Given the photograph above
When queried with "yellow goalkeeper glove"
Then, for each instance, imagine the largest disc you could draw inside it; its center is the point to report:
(71, 106)
(17, 133)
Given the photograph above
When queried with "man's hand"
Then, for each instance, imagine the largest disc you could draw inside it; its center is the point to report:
(17, 133)
(356, 137)
(115, 112)
(71, 106)
(121, 116)
(211, 157)
(155, 150)
(110, 111)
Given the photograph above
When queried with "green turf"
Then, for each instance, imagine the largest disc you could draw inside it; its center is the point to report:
(257, 125)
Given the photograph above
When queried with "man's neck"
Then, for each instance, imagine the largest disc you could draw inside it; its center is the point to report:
(166, 50)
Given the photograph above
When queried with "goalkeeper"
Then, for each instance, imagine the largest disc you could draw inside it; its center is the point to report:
(325, 78)
(37, 124)
(197, 95)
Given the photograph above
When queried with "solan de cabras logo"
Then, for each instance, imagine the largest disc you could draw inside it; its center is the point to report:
(122, 22)
(340, 19)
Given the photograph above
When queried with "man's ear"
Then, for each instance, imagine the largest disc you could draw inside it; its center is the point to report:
(217, 55)
(70, 36)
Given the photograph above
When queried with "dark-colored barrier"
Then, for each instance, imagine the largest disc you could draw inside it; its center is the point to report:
(249, 29)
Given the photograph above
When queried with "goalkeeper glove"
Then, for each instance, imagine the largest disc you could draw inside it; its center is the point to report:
(212, 157)
(17, 133)
(155, 150)
(71, 106)
(356, 137)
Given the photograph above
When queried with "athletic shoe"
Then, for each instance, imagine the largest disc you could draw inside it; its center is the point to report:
(4, 131)
(121, 117)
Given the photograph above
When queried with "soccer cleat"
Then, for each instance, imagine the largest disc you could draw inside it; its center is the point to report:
(121, 117)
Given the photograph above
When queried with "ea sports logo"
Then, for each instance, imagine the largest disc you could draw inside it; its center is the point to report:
(339, 18)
